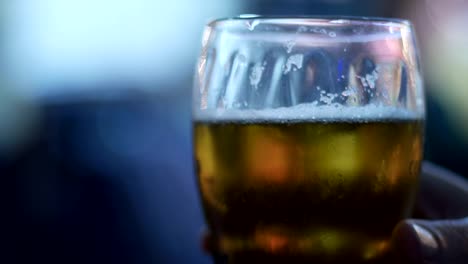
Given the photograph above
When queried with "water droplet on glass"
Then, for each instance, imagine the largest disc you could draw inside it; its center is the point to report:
(237, 105)
(241, 59)
(252, 24)
(290, 45)
(256, 75)
(372, 78)
(363, 80)
(327, 98)
(350, 91)
(301, 29)
(295, 60)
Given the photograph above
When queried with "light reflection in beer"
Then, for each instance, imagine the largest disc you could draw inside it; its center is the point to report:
(394, 170)
(340, 156)
(208, 180)
(278, 240)
(376, 249)
(265, 172)
(416, 149)
(381, 175)
(271, 159)
(331, 241)
(270, 241)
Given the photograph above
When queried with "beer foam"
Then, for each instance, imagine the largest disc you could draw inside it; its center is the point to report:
(309, 112)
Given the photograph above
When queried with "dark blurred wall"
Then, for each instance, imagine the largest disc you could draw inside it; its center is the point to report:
(104, 181)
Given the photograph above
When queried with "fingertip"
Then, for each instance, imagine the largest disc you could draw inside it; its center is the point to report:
(414, 243)
(405, 243)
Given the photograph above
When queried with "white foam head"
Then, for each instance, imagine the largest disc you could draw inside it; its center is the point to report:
(309, 112)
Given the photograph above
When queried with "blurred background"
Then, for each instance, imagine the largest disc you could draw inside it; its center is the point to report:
(95, 133)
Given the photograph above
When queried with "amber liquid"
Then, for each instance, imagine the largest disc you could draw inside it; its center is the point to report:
(307, 191)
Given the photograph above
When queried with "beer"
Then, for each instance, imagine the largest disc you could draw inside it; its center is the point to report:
(326, 188)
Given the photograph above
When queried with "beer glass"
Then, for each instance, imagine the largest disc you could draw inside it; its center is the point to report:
(307, 136)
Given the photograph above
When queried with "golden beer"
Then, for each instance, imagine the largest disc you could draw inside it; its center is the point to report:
(296, 191)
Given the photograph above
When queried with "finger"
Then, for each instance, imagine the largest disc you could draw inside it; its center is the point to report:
(432, 242)
(442, 194)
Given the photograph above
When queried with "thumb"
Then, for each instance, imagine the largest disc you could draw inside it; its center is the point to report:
(432, 242)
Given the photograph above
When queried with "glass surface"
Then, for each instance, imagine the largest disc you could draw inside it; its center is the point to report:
(307, 136)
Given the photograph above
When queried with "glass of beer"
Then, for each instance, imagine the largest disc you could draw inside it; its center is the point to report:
(308, 136)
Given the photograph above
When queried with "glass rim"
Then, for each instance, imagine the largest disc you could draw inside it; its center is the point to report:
(313, 20)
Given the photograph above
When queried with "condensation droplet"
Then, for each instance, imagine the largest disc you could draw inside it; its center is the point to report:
(241, 58)
(252, 24)
(350, 91)
(302, 29)
(363, 80)
(295, 60)
(256, 75)
(237, 105)
(289, 46)
(372, 78)
(327, 98)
